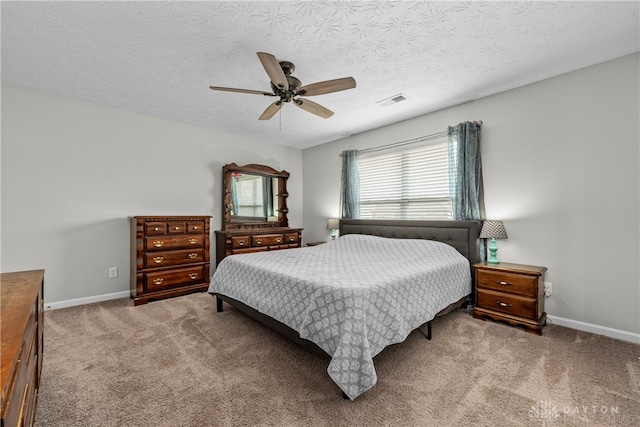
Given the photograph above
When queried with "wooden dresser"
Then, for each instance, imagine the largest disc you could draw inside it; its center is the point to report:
(21, 317)
(242, 241)
(513, 293)
(169, 256)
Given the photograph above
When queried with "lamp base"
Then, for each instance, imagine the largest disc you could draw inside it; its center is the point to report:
(493, 248)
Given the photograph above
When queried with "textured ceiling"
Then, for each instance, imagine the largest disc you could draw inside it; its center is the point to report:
(159, 58)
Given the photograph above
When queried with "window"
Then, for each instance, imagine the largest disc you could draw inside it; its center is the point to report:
(412, 184)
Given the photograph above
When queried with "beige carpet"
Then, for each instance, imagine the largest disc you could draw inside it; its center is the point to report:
(177, 362)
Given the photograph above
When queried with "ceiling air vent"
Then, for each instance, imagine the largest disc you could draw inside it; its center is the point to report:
(393, 100)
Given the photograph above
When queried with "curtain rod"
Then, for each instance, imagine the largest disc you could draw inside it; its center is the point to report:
(409, 141)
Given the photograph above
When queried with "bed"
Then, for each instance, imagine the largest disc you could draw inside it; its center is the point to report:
(350, 298)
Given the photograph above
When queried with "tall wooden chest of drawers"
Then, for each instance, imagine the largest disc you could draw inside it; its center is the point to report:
(512, 293)
(247, 240)
(169, 256)
(21, 316)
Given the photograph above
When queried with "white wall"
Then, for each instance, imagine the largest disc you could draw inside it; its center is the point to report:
(561, 168)
(72, 172)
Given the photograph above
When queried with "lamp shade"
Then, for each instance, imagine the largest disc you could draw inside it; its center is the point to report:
(333, 224)
(493, 229)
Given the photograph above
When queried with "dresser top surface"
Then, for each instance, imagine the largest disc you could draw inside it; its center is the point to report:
(508, 267)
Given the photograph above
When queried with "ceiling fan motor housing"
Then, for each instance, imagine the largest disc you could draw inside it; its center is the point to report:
(287, 95)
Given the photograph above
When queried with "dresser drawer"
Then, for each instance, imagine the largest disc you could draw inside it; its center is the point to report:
(507, 303)
(267, 239)
(163, 243)
(176, 227)
(291, 238)
(195, 227)
(240, 242)
(176, 277)
(161, 259)
(248, 250)
(507, 282)
(155, 228)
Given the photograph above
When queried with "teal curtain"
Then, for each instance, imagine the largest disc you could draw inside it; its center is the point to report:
(350, 191)
(465, 173)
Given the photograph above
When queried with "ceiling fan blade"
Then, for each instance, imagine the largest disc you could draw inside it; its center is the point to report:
(273, 69)
(328, 86)
(271, 110)
(251, 92)
(313, 108)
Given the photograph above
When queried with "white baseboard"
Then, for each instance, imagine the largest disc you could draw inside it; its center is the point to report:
(595, 329)
(85, 300)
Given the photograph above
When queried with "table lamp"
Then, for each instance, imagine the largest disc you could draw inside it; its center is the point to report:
(493, 230)
(333, 224)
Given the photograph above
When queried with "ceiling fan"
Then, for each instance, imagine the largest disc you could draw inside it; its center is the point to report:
(289, 89)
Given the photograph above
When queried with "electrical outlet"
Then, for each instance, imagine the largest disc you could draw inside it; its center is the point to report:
(548, 289)
(113, 272)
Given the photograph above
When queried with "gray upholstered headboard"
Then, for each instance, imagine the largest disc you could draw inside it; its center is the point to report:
(462, 235)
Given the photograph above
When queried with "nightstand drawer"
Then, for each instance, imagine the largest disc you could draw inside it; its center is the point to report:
(509, 304)
(507, 282)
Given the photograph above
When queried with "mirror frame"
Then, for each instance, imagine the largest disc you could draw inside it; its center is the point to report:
(261, 170)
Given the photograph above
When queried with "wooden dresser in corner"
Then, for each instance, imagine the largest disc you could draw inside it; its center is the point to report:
(21, 317)
(169, 256)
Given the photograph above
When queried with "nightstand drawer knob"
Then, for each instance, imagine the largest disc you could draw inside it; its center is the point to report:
(503, 304)
(503, 283)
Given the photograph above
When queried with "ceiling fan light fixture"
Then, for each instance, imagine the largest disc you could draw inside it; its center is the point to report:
(392, 100)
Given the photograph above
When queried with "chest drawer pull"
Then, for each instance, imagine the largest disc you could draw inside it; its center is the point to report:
(158, 281)
(156, 229)
(176, 228)
(195, 227)
(193, 276)
(278, 240)
(241, 243)
(158, 259)
(158, 243)
(193, 241)
(193, 255)
(258, 242)
(503, 304)
(503, 283)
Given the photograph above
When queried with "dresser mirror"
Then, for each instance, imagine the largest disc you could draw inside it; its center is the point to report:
(254, 197)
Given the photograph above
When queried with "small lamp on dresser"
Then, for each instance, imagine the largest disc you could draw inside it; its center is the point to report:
(333, 224)
(493, 230)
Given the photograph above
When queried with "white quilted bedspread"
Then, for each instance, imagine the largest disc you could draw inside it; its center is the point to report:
(352, 296)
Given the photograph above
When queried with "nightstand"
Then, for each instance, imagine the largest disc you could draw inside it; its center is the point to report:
(513, 293)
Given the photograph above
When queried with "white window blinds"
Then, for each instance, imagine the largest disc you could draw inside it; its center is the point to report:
(412, 184)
